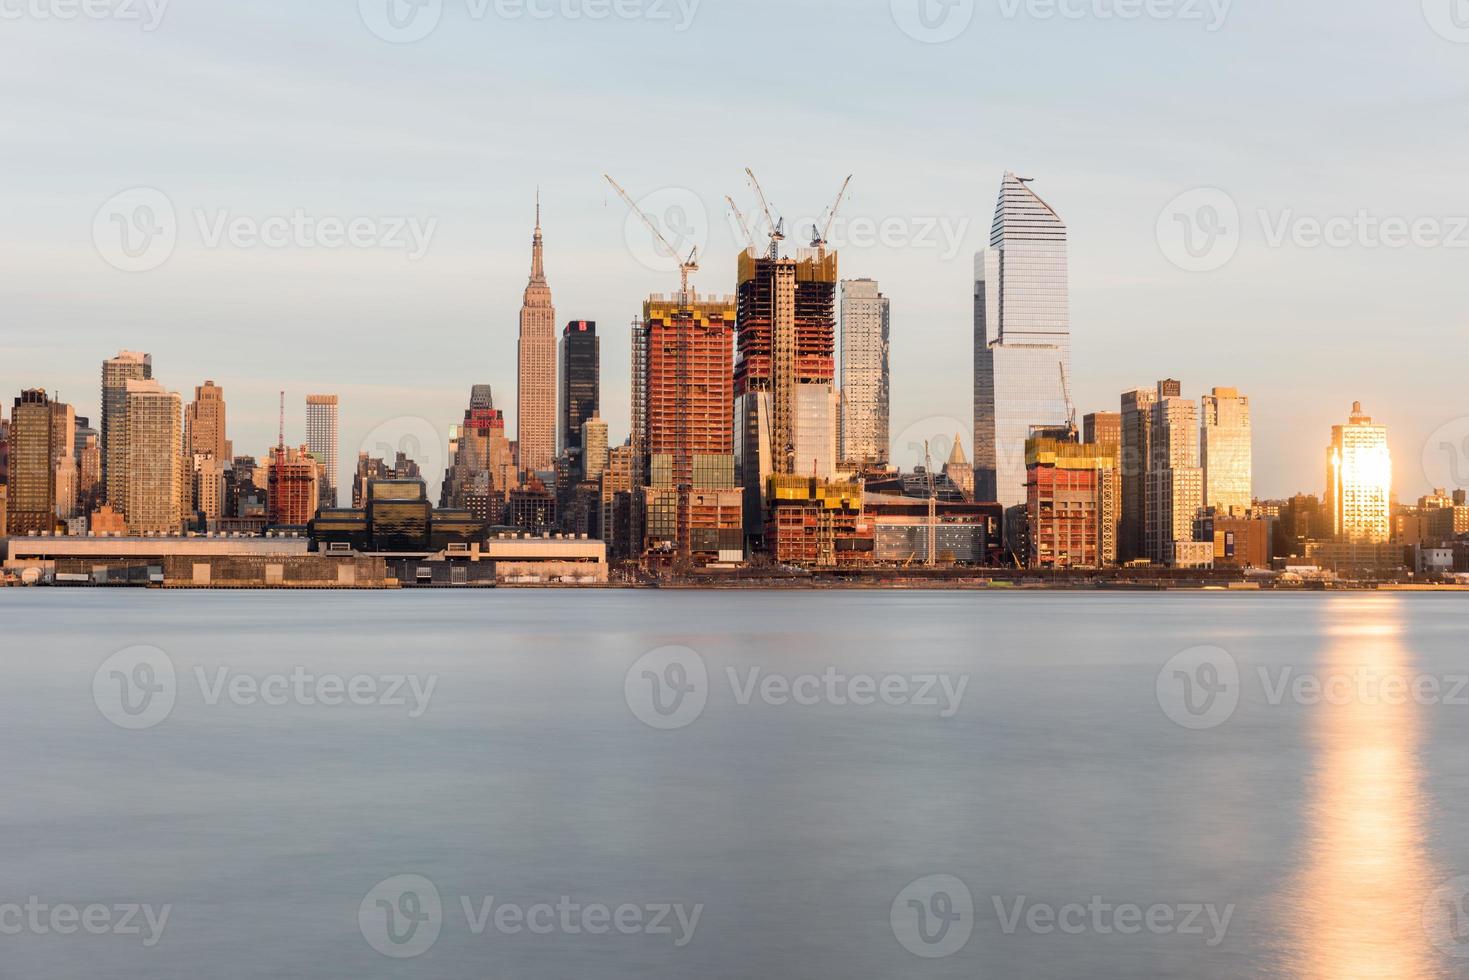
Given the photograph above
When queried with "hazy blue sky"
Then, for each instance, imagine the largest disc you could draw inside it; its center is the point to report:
(1307, 109)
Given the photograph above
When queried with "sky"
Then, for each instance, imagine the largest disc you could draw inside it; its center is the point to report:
(154, 154)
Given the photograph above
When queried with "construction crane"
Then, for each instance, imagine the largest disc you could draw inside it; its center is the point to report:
(744, 225)
(1072, 432)
(687, 266)
(933, 508)
(819, 232)
(777, 225)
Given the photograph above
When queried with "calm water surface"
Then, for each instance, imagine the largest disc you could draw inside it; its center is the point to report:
(1044, 785)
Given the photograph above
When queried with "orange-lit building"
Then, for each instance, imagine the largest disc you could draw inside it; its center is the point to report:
(815, 523)
(293, 487)
(1073, 493)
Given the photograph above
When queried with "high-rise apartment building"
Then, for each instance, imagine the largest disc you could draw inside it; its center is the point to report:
(1103, 429)
(536, 405)
(862, 432)
(116, 373)
(205, 424)
(1022, 339)
(35, 442)
(89, 467)
(785, 369)
(321, 442)
(1359, 481)
(208, 488)
(593, 448)
(1227, 452)
(1175, 480)
(155, 487)
(580, 388)
(690, 499)
(1137, 449)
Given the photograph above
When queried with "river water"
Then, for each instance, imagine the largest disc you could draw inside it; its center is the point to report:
(556, 784)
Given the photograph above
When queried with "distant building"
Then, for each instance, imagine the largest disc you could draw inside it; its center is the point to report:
(621, 494)
(1072, 501)
(785, 374)
(205, 424)
(1227, 452)
(116, 372)
(89, 467)
(958, 468)
(208, 488)
(816, 523)
(531, 508)
(293, 485)
(593, 449)
(580, 388)
(536, 404)
(1137, 449)
(1239, 542)
(1022, 338)
(1359, 481)
(154, 483)
(482, 470)
(398, 518)
(865, 377)
(36, 438)
(1175, 480)
(1103, 429)
(688, 446)
(321, 442)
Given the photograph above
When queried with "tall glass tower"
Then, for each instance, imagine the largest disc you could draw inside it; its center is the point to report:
(1022, 339)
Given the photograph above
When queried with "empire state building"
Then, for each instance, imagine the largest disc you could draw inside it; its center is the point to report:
(536, 405)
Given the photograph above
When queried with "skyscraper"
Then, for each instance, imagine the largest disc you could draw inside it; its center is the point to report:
(594, 449)
(1359, 480)
(1226, 451)
(1137, 451)
(691, 504)
(34, 442)
(536, 405)
(1103, 429)
(204, 424)
(580, 396)
(294, 487)
(785, 371)
(1022, 338)
(863, 426)
(321, 441)
(116, 373)
(1175, 481)
(154, 486)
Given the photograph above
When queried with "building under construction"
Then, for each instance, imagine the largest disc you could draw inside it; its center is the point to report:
(1073, 504)
(785, 370)
(692, 505)
(817, 523)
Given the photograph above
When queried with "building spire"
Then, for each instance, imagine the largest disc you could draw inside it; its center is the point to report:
(537, 264)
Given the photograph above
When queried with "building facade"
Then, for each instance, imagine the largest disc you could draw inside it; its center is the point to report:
(116, 373)
(1227, 454)
(34, 444)
(1359, 481)
(205, 424)
(155, 487)
(1175, 480)
(1137, 448)
(536, 402)
(321, 442)
(580, 387)
(294, 489)
(862, 433)
(1073, 496)
(1022, 338)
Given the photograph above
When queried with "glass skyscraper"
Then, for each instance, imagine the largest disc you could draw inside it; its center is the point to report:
(1022, 338)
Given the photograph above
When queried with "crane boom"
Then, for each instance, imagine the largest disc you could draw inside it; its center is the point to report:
(691, 264)
(819, 235)
(740, 217)
(777, 225)
(1071, 428)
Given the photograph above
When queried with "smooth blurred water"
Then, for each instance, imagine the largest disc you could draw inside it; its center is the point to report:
(1332, 832)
